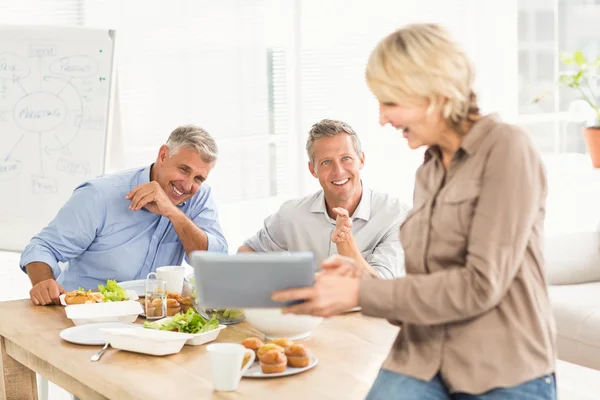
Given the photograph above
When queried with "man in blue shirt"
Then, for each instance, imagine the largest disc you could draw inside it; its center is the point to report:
(123, 226)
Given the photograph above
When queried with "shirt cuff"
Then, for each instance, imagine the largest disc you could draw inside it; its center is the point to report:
(214, 244)
(40, 256)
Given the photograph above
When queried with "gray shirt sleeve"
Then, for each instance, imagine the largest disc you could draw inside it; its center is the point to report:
(388, 256)
(271, 237)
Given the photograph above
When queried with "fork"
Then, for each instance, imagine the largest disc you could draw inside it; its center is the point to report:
(97, 356)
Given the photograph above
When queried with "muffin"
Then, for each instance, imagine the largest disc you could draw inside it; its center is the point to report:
(173, 307)
(253, 343)
(283, 342)
(268, 347)
(273, 361)
(297, 356)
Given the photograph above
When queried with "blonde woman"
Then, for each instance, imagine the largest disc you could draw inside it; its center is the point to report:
(473, 309)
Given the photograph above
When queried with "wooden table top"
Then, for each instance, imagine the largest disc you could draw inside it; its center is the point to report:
(350, 349)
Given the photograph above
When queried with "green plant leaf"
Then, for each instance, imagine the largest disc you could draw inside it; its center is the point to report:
(579, 58)
(566, 58)
(566, 79)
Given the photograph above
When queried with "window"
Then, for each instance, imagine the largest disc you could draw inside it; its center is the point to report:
(546, 29)
(258, 73)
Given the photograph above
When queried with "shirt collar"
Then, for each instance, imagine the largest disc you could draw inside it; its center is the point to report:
(144, 175)
(363, 210)
(472, 140)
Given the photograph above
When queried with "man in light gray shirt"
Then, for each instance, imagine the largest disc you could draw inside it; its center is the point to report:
(344, 217)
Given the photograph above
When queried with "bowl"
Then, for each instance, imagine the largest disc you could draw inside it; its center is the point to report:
(274, 324)
(224, 316)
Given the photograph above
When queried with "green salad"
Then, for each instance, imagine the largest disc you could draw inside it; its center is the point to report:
(190, 322)
(112, 291)
(224, 315)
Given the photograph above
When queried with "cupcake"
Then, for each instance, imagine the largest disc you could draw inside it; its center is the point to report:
(253, 343)
(268, 347)
(273, 361)
(297, 356)
(283, 342)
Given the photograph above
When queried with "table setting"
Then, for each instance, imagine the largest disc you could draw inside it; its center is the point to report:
(159, 315)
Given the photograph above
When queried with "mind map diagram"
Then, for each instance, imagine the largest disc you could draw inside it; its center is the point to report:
(49, 105)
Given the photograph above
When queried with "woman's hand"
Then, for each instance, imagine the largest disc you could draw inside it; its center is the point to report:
(330, 295)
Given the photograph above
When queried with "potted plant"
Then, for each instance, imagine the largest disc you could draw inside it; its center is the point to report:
(584, 78)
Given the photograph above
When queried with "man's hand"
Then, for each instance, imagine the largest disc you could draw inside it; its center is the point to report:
(151, 196)
(342, 266)
(343, 226)
(46, 292)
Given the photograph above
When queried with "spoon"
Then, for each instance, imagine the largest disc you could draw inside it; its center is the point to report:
(97, 356)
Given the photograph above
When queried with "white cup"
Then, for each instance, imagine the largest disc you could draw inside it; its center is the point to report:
(226, 364)
(173, 275)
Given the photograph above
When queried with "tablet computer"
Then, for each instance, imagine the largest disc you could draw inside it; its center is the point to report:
(248, 280)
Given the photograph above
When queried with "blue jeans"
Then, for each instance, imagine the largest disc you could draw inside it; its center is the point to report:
(393, 386)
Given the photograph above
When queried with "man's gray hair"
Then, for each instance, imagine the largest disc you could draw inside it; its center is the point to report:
(193, 138)
(329, 128)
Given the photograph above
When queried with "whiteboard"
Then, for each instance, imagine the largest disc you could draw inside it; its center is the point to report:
(55, 102)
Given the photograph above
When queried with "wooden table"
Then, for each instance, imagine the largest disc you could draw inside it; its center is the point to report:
(350, 349)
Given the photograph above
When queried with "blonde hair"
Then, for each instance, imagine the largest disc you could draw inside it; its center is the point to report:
(421, 63)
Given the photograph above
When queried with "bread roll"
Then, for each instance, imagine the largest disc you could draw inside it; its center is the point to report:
(79, 297)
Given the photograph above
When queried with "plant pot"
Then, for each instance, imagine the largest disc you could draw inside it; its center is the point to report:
(592, 140)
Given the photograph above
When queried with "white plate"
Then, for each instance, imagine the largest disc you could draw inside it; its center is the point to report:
(130, 293)
(138, 286)
(90, 334)
(354, 309)
(256, 372)
(198, 338)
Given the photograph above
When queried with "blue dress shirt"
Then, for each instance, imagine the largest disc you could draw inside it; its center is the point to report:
(101, 238)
